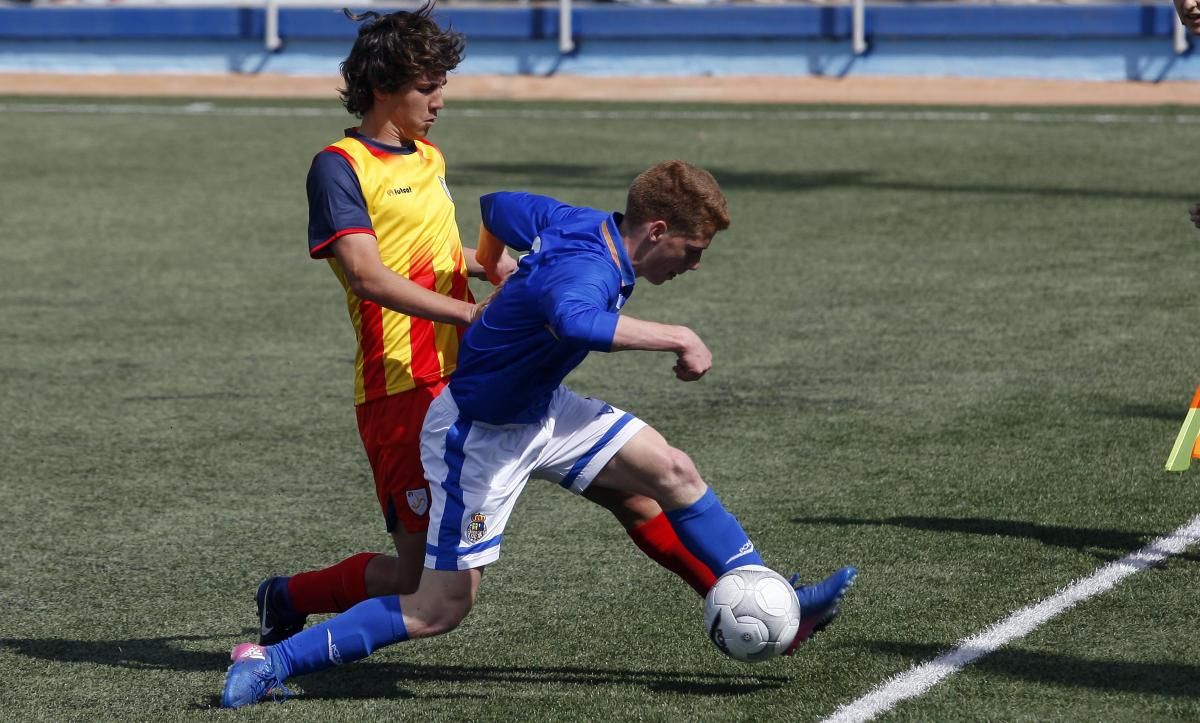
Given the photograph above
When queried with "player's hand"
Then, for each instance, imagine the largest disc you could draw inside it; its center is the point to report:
(1194, 212)
(481, 305)
(477, 311)
(505, 266)
(694, 359)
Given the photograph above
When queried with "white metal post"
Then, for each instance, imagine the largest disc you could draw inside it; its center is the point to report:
(271, 31)
(566, 39)
(859, 31)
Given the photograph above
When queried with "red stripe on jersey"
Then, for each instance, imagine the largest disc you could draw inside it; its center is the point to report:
(431, 145)
(374, 377)
(315, 252)
(341, 152)
(377, 152)
(424, 364)
(458, 286)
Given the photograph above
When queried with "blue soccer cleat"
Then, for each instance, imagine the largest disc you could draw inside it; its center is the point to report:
(276, 619)
(252, 677)
(819, 603)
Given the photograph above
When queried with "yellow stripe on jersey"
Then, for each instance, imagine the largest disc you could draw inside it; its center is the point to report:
(412, 215)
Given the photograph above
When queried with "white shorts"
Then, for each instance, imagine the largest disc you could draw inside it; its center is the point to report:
(476, 471)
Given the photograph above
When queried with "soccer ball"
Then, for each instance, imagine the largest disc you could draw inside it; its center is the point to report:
(752, 614)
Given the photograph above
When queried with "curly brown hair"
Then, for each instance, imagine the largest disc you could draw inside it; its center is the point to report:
(394, 50)
(687, 198)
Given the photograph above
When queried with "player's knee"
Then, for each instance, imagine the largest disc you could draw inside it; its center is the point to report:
(680, 476)
(440, 617)
(447, 619)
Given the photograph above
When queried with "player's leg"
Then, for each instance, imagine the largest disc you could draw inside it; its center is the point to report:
(404, 497)
(647, 465)
(398, 574)
(649, 528)
(390, 431)
(442, 601)
(472, 493)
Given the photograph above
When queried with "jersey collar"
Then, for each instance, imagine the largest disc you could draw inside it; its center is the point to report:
(376, 145)
(610, 232)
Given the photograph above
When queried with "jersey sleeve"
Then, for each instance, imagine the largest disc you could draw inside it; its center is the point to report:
(336, 206)
(577, 295)
(516, 217)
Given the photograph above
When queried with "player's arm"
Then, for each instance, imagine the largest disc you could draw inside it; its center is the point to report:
(693, 357)
(577, 299)
(1194, 213)
(370, 279)
(513, 219)
(339, 226)
(578, 320)
(489, 261)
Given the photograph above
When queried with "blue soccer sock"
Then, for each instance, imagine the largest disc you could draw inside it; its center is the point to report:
(713, 535)
(351, 636)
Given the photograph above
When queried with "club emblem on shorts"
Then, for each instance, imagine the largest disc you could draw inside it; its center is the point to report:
(478, 527)
(418, 502)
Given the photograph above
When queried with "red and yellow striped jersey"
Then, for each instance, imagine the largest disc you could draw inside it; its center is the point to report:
(400, 196)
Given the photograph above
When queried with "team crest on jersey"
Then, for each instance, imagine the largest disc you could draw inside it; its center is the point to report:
(418, 501)
(478, 527)
(445, 188)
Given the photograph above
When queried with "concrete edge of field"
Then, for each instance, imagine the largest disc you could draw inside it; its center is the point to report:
(723, 89)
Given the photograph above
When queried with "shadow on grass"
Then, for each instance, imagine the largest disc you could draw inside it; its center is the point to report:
(136, 653)
(573, 175)
(1171, 413)
(379, 680)
(383, 679)
(577, 175)
(1166, 679)
(1107, 545)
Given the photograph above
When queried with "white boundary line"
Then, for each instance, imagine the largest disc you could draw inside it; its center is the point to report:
(631, 114)
(921, 678)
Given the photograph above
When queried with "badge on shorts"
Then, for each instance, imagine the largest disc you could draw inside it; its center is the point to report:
(418, 501)
(477, 528)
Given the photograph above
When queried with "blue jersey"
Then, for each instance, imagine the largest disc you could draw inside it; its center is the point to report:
(561, 303)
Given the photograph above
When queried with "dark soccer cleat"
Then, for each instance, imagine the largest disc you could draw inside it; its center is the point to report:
(251, 678)
(819, 603)
(277, 620)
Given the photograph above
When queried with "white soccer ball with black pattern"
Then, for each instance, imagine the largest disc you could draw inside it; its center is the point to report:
(752, 614)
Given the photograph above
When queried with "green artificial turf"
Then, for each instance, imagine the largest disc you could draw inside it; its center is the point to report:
(952, 350)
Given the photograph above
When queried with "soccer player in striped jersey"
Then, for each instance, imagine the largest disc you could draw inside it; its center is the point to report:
(381, 213)
(506, 417)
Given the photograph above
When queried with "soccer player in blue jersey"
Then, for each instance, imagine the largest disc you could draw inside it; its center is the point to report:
(506, 417)
(381, 214)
